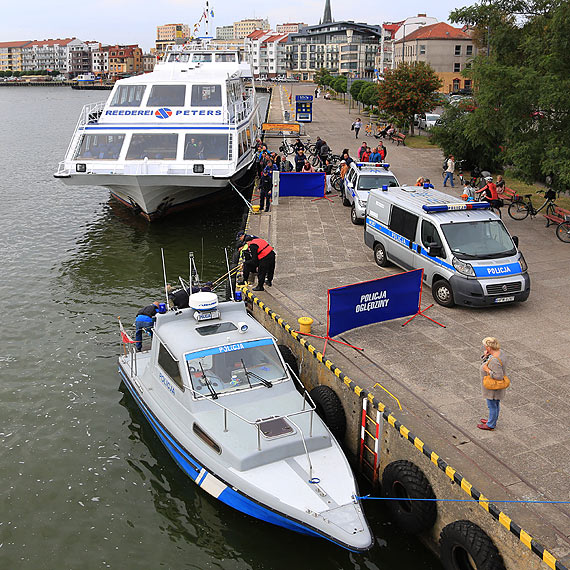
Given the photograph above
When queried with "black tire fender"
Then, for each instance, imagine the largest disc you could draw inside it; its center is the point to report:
(405, 480)
(289, 358)
(330, 410)
(463, 545)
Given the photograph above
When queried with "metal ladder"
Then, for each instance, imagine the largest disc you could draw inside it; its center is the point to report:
(369, 442)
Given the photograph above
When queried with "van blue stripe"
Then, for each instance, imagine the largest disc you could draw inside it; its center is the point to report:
(228, 496)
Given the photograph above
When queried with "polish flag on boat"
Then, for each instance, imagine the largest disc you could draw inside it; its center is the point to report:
(124, 335)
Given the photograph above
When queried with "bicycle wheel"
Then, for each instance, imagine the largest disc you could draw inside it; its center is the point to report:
(563, 232)
(518, 210)
(336, 182)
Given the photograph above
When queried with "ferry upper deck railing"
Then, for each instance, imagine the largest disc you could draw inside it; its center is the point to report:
(308, 406)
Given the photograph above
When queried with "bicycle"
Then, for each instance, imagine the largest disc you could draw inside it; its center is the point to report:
(520, 209)
(495, 208)
(563, 230)
(286, 148)
(459, 166)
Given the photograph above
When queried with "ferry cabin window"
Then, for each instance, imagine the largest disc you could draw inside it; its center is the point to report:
(206, 95)
(181, 57)
(100, 147)
(202, 57)
(153, 147)
(225, 57)
(167, 96)
(169, 365)
(206, 147)
(128, 96)
(403, 223)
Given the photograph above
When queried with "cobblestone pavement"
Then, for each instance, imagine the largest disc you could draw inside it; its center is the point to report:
(434, 371)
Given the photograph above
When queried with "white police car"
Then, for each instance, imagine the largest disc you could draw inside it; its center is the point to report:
(359, 180)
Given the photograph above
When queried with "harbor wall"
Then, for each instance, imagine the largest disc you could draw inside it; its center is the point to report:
(462, 501)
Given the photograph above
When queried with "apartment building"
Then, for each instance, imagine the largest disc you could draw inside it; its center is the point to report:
(11, 56)
(290, 28)
(50, 54)
(447, 49)
(149, 61)
(225, 32)
(344, 48)
(243, 28)
(267, 53)
(124, 61)
(171, 34)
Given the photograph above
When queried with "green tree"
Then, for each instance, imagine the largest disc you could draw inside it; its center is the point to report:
(323, 76)
(408, 89)
(523, 85)
(369, 95)
(356, 87)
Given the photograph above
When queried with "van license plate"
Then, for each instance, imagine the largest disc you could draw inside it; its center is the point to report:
(504, 299)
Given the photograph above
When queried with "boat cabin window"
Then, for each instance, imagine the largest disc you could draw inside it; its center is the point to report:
(206, 95)
(167, 96)
(225, 57)
(207, 330)
(202, 57)
(128, 96)
(206, 147)
(170, 366)
(233, 367)
(206, 438)
(181, 57)
(153, 147)
(100, 147)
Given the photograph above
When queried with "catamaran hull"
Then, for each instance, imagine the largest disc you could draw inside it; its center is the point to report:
(219, 489)
(154, 196)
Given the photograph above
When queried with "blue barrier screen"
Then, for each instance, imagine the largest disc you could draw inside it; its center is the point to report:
(374, 301)
(302, 184)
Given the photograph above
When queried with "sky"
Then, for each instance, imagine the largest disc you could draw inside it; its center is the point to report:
(135, 21)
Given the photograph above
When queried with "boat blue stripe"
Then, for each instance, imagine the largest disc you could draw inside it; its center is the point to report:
(229, 496)
(228, 348)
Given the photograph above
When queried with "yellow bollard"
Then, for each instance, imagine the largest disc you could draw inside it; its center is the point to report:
(255, 208)
(305, 324)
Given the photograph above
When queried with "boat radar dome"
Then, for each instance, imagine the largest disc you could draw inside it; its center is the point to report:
(205, 304)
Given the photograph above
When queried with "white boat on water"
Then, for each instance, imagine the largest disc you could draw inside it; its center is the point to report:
(221, 396)
(166, 139)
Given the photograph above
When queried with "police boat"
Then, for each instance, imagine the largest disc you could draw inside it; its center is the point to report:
(216, 389)
(167, 139)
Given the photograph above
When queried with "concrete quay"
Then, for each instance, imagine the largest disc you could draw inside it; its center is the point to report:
(434, 371)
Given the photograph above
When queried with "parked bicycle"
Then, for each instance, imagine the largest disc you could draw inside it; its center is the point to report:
(563, 230)
(521, 209)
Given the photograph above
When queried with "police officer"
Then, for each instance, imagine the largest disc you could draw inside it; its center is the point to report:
(145, 321)
(263, 256)
(245, 257)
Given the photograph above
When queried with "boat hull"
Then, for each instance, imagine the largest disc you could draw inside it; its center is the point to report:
(215, 486)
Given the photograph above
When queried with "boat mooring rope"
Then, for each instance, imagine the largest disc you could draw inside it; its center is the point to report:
(463, 500)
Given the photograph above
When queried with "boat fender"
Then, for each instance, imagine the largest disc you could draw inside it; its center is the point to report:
(329, 408)
(289, 358)
(403, 479)
(463, 543)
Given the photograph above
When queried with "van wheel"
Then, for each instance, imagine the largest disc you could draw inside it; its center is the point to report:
(380, 255)
(345, 201)
(442, 293)
(354, 218)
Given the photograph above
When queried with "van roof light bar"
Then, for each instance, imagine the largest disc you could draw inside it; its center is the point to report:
(454, 207)
(384, 165)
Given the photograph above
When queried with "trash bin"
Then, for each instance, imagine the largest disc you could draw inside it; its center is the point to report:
(287, 115)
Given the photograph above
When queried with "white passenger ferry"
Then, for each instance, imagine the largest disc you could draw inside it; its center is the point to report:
(165, 139)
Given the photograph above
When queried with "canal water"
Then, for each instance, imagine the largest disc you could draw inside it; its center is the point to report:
(86, 484)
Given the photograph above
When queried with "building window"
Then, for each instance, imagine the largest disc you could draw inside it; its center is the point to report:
(468, 50)
(458, 50)
(422, 49)
(456, 67)
(467, 84)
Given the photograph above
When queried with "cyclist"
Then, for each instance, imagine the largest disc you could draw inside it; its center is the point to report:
(489, 193)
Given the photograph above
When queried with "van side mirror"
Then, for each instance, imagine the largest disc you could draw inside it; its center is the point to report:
(434, 249)
(516, 240)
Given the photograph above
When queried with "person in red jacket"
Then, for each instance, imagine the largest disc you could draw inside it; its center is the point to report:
(365, 156)
(261, 256)
(489, 191)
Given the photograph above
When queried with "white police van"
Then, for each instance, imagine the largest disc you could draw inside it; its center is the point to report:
(467, 254)
(359, 180)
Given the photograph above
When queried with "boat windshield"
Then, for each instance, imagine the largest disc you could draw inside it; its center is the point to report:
(479, 240)
(234, 367)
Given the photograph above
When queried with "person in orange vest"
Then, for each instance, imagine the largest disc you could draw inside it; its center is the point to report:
(263, 257)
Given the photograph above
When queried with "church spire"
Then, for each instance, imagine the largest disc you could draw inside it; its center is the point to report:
(327, 16)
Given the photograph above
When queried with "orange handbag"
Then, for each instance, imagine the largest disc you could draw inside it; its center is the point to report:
(492, 384)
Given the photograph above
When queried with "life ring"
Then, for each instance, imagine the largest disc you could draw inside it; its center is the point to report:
(465, 546)
(329, 408)
(404, 480)
(289, 358)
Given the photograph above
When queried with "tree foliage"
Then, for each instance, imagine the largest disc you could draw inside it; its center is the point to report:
(408, 89)
(522, 87)
(356, 87)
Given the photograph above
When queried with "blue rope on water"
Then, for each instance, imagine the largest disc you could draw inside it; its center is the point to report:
(462, 500)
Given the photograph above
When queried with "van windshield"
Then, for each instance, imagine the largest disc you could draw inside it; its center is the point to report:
(370, 182)
(479, 240)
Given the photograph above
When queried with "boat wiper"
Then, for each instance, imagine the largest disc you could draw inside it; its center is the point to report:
(208, 383)
(265, 382)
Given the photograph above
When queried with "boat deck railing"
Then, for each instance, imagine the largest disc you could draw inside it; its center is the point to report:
(308, 406)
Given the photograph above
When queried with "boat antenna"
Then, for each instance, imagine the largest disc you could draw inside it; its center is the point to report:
(191, 264)
(229, 273)
(202, 264)
(164, 273)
